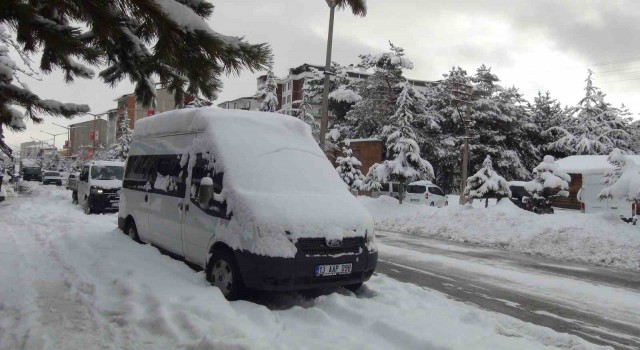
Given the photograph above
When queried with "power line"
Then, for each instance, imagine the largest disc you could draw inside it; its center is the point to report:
(616, 70)
(617, 81)
(616, 62)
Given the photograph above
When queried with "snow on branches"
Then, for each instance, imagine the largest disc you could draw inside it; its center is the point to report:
(267, 94)
(405, 163)
(549, 180)
(623, 180)
(486, 183)
(349, 168)
(120, 150)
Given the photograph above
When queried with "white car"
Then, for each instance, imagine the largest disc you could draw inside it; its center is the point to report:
(590, 203)
(425, 192)
(52, 177)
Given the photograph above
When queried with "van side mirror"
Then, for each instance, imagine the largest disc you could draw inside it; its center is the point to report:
(206, 191)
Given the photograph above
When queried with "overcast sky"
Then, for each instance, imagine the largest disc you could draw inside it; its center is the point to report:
(533, 45)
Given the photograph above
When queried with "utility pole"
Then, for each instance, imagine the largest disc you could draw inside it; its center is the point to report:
(465, 155)
(462, 95)
(324, 121)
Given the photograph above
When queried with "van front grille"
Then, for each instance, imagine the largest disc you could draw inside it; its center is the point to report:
(318, 246)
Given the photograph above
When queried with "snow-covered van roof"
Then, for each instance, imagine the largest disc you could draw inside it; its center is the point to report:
(589, 165)
(276, 177)
(422, 183)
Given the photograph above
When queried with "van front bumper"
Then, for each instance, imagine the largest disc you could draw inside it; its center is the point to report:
(104, 202)
(281, 274)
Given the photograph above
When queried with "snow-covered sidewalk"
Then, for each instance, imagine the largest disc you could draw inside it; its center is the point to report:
(71, 281)
(601, 239)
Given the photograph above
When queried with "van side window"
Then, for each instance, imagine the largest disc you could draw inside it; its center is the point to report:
(436, 191)
(169, 177)
(138, 173)
(201, 169)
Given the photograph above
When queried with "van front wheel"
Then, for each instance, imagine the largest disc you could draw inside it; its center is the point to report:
(223, 273)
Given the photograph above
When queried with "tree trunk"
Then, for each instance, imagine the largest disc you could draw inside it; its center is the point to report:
(486, 202)
(400, 191)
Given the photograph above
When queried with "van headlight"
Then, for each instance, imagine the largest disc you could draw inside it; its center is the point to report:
(96, 190)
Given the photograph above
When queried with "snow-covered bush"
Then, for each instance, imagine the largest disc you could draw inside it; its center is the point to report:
(549, 180)
(623, 181)
(349, 168)
(372, 182)
(486, 183)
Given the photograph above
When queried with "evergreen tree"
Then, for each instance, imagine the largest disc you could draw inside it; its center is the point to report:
(304, 112)
(595, 128)
(372, 181)
(548, 181)
(342, 92)
(120, 150)
(198, 102)
(405, 163)
(135, 39)
(447, 107)
(545, 113)
(486, 183)
(267, 94)
(623, 180)
(378, 93)
(349, 168)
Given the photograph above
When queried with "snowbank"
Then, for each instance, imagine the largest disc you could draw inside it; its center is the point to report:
(601, 239)
(72, 281)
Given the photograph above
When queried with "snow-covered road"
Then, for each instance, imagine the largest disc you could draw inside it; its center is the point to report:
(72, 281)
(599, 304)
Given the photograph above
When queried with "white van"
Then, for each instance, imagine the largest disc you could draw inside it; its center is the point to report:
(391, 189)
(248, 196)
(425, 192)
(98, 186)
(590, 203)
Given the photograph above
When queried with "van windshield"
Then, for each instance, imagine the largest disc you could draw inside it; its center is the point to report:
(436, 191)
(51, 173)
(108, 172)
(416, 189)
(32, 170)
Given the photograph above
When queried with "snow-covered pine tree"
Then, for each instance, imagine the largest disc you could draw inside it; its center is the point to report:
(378, 93)
(548, 181)
(486, 183)
(267, 94)
(594, 128)
(120, 150)
(623, 180)
(198, 102)
(545, 113)
(405, 163)
(442, 105)
(345, 94)
(349, 168)
(303, 110)
(372, 181)
(137, 39)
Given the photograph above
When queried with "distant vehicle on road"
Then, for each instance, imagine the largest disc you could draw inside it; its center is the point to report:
(391, 189)
(32, 173)
(52, 177)
(99, 185)
(425, 192)
(590, 203)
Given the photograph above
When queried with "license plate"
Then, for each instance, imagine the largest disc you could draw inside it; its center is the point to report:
(333, 270)
(414, 200)
(115, 204)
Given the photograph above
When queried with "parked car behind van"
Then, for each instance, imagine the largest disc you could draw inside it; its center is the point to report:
(248, 196)
(391, 189)
(99, 185)
(425, 192)
(520, 196)
(52, 177)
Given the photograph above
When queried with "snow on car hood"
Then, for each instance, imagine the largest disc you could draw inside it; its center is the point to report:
(106, 184)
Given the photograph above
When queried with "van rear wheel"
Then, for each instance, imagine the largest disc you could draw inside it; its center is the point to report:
(132, 231)
(223, 273)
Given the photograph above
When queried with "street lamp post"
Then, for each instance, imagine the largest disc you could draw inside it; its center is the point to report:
(54, 137)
